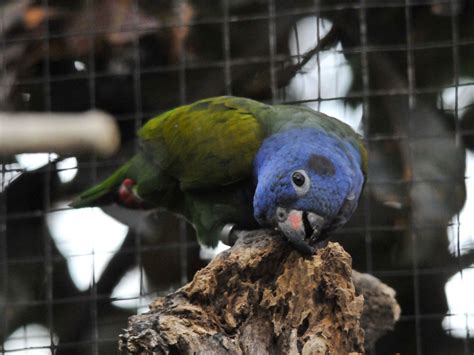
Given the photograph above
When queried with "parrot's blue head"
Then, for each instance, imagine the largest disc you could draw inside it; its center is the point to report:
(308, 181)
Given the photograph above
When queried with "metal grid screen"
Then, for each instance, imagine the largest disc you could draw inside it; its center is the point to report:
(400, 71)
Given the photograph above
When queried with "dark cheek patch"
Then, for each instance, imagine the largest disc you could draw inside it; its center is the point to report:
(321, 165)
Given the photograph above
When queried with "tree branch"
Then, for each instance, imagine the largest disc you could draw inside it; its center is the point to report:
(262, 297)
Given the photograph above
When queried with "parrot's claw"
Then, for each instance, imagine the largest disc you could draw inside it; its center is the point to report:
(226, 234)
(229, 234)
(321, 244)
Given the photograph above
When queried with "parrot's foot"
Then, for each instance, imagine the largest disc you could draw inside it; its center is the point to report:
(127, 195)
(320, 245)
(229, 234)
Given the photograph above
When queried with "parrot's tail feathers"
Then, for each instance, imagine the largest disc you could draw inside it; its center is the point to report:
(102, 193)
(94, 197)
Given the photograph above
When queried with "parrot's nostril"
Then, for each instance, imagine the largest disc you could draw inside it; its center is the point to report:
(281, 214)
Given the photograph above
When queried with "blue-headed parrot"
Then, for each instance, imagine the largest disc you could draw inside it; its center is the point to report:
(229, 163)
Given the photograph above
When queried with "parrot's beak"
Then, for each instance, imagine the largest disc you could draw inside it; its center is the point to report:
(301, 228)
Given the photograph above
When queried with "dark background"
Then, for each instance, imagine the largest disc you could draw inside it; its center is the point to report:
(143, 57)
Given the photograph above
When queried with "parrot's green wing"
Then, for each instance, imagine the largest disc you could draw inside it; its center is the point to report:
(210, 143)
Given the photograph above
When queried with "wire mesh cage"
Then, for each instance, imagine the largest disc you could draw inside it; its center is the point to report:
(401, 72)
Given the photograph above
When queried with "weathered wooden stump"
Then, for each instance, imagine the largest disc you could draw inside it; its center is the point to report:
(262, 297)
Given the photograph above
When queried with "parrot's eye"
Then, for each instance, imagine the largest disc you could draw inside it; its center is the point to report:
(300, 181)
(298, 178)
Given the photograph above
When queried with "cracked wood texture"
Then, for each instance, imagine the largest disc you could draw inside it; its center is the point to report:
(262, 297)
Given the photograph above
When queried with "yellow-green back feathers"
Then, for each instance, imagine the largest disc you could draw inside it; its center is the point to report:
(211, 142)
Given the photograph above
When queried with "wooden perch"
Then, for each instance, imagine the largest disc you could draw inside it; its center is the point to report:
(62, 133)
(262, 297)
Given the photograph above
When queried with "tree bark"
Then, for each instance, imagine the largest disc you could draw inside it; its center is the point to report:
(262, 297)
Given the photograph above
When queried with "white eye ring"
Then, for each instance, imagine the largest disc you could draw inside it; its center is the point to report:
(301, 182)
